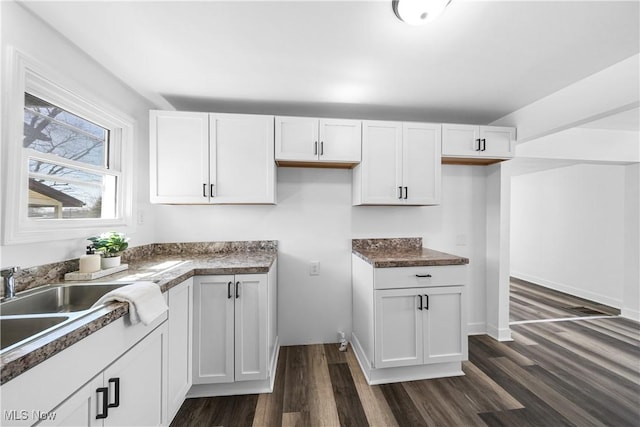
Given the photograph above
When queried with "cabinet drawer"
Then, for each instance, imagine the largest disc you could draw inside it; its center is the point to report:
(413, 277)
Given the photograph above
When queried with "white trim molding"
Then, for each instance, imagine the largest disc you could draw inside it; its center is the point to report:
(25, 74)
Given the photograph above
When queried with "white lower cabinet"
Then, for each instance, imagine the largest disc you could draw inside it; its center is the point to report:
(234, 334)
(128, 392)
(180, 301)
(409, 323)
(418, 326)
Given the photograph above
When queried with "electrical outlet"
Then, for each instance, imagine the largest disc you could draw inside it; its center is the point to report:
(314, 268)
(140, 217)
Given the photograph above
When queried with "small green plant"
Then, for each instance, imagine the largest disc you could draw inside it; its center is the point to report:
(110, 244)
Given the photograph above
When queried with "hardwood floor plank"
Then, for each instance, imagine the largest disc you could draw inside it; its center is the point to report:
(548, 394)
(404, 410)
(269, 408)
(555, 358)
(373, 402)
(323, 410)
(292, 419)
(334, 355)
(296, 380)
(481, 392)
(350, 411)
(546, 414)
(189, 414)
(598, 403)
(503, 350)
(440, 404)
(515, 417)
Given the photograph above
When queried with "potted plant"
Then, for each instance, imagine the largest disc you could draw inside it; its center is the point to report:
(110, 245)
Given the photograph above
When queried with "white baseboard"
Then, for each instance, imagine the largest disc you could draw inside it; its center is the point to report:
(500, 334)
(479, 328)
(567, 289)
(630, 314)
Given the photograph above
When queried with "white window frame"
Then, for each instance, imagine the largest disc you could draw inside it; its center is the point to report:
(27, 75)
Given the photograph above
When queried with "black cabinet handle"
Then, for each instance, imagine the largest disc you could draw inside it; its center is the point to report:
(426, 307)
(116, 385)
(406, 192)
(484, 144)
(105, 397)
(237, 289)
(211, 190)
(315, 147)
(420, 307)
(204, 190)
(400, 190)
(423, 275)
(478, 141)
(322, 148)
(229, 290)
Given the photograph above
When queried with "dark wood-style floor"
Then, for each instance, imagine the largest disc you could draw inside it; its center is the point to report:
(583, 372)
(532, 302)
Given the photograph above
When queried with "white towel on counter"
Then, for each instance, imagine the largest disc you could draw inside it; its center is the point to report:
(145, 300)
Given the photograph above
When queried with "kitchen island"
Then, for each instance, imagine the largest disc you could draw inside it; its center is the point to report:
(409, 310)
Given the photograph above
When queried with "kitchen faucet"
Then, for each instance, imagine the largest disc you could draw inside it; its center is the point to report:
(9, 281)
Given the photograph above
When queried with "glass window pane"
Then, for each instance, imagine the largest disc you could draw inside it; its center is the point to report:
(50, 199)
(50, 129)
(45, 168)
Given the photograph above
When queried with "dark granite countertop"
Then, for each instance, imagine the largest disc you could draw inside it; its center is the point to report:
(402, 252)
(167, 265)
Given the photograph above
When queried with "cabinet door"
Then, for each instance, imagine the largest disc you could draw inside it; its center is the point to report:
(444, 332)
(179, 157)
(497, 141)
(180, 345)
(398, 328)
(296, 138)
(135, 383)
(381, 166)
(340, 141)
(243, 167)
(421, 163)
(251, 327)
(79, 409)
(460, 140)
(213, 300)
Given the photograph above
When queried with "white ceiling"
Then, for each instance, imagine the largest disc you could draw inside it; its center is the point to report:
(478, 62)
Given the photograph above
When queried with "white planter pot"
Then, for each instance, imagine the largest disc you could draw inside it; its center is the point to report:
(110, 262)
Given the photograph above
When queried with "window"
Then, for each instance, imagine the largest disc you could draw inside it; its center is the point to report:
(67, 161)
(69, 169)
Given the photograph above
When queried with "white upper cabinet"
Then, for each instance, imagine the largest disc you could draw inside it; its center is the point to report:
(400, 164)
(179, 154)
(201, 158)
(303, 141)
(487, 144)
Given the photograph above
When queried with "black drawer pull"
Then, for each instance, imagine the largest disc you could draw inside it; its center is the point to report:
(237, 290)
(105, 397)
(116, 385)
(229, 290)
(423, 275)
(426, 307)
(420, 296)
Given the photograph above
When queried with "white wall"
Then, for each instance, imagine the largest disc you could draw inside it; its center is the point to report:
(34, 38)
(314, 221)
(568, 230)
(631, 292)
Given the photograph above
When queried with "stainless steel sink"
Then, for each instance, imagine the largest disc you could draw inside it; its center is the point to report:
(57, 299)
(14, 330)
(39, 311)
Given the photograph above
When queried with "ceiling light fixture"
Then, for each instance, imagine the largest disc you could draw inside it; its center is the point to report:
(417, 12)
